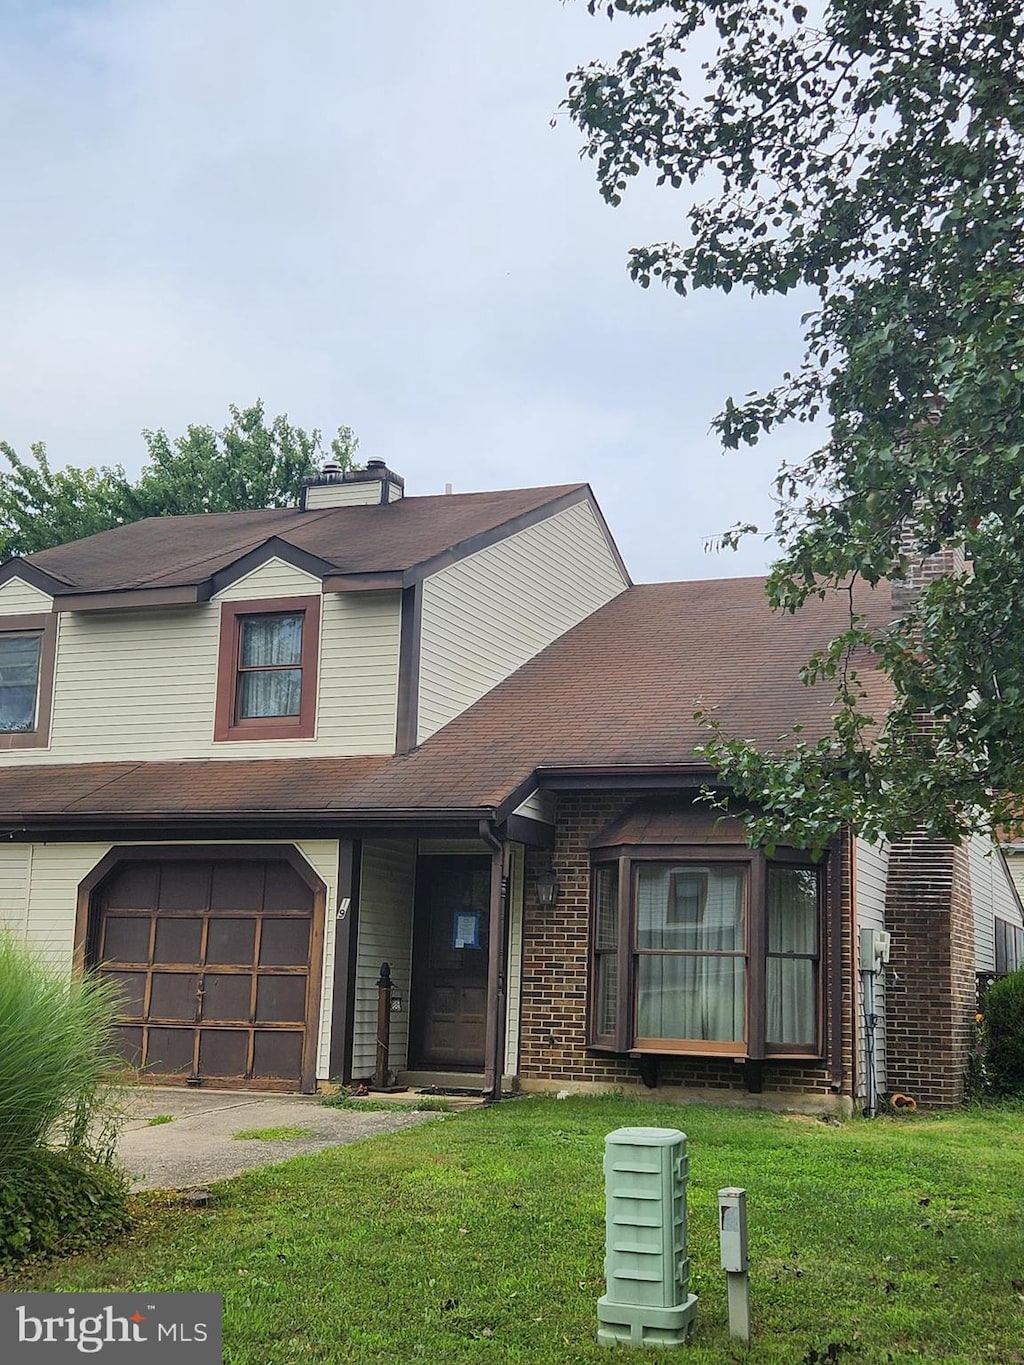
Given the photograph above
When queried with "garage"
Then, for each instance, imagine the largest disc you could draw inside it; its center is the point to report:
(216, 964)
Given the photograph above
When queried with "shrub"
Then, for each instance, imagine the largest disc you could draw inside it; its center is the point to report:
(1004, 1026)
(57, 1048)
(56, 1203)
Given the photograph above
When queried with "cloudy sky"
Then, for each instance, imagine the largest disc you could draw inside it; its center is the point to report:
(360, 212)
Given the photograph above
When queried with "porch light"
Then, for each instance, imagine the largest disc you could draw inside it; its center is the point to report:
(547, 887)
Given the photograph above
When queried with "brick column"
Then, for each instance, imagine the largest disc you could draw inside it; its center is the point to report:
(930, 993)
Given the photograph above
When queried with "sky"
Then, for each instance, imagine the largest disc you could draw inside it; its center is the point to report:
(361, 213)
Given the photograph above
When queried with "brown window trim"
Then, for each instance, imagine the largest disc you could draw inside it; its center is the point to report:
(787, 857)
(45, 625)
(754, 1044)
(302, 726)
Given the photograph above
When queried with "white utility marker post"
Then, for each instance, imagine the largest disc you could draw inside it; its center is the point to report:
(732, 1234)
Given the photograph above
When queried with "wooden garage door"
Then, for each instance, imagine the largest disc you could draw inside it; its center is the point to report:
(212, 963)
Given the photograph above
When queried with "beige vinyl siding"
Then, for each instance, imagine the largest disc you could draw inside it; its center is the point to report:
(872, 862)
(276, 578)
(322, 856)
(358, 706)
(364, 493)
(53, 873)
(18, 598)
(539, 806)
(514, 968)
(1014, 854)
(386, 887)
(484, 616)
(142, 684)
(56, 871)
(992, 894)
(133, 685)
(15, 866)
(39, 893)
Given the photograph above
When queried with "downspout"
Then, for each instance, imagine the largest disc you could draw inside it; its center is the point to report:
(840, 854)
(494, 1036)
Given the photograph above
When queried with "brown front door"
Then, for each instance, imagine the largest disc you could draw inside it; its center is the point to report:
(449, 965)
(212, 963)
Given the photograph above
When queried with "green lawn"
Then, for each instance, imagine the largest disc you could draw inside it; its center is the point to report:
(478, 1237)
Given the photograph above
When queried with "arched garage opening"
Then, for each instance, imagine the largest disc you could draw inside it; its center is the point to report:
(216, 954)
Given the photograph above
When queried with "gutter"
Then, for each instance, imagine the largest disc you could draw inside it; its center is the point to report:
(328, 824)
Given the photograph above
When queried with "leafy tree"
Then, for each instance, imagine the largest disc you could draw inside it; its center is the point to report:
(250, 463)
(868, 153)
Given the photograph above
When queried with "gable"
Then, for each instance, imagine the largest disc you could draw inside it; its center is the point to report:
(275, 578)
(17, 597)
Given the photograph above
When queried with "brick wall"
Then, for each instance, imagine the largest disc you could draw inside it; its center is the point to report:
(555, 977)
(930, 993)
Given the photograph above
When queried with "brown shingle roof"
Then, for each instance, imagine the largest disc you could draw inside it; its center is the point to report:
(165, 552)
(617, 692)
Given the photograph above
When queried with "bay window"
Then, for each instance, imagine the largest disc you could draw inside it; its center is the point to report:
(706, 951)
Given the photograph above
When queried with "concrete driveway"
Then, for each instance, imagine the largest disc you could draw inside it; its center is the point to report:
(199, 1144)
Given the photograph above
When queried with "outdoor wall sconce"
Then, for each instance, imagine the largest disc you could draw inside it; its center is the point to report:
(547, 888)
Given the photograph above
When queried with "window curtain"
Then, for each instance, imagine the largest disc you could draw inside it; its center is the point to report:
(606, 945)
(19, 682)
(790, 981)
(270, 680)
(685, 990)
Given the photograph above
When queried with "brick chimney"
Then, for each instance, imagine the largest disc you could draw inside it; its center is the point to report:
(923, 569)
(930, 1000)
(336, 487)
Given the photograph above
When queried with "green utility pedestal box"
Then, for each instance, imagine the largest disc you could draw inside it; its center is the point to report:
(647, 1270)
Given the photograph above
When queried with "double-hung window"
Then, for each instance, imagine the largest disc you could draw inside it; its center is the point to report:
(690, 931)
(712, 951)
(268, 669)
(27, 649)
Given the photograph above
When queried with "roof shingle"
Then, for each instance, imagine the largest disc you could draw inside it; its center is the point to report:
(616, 692)
(182, 551)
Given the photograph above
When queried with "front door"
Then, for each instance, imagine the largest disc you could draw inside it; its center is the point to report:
(449, 969)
